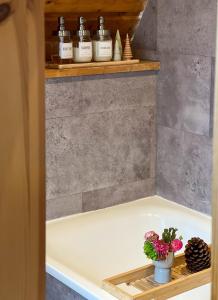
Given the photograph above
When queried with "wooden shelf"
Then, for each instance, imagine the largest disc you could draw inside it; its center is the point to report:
(103, 69)
(122, 14)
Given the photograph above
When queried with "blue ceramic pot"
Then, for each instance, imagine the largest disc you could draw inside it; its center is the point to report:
(162, 270)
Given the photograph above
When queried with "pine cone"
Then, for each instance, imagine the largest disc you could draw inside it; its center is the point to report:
(197, 255)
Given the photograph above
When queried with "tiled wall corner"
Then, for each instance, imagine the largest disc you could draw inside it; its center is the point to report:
(184, 168)
(186, 45)
(186, 27)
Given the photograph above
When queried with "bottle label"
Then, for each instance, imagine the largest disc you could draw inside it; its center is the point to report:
(85, 49)
(104, 48)
(66, 50)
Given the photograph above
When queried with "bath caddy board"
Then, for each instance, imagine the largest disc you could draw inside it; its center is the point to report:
(138, 284)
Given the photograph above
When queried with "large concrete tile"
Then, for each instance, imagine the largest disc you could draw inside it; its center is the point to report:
(62, 97)
(187, 27)
(76, 96)
(59, 186)
(212, 95)
(184, 168)
(118, 92)
(184, 95)
(133, 125)
(169, 162)
(56, 290)
(117, 194)
(63, 206)
(98, 150)
(196, 178)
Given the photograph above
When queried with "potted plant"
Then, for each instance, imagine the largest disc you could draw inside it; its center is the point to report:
(161, 251)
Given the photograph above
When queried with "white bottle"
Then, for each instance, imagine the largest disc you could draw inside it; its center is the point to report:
(64, 45)
(102, 43)
(82, 46)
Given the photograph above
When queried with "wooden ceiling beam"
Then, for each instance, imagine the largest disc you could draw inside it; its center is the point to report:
(97, 6)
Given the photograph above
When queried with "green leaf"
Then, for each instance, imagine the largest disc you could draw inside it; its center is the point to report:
(150, 251)
(169, 234)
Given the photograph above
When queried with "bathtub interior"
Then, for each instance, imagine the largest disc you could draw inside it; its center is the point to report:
(95, 245)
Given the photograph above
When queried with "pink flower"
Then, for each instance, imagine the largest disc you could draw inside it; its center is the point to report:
(151, 236)
(161, 248)
(176, 245)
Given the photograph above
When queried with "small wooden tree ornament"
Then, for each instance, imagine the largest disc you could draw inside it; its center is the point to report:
(127, 53)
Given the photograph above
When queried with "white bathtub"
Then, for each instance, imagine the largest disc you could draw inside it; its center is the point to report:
(84, 249)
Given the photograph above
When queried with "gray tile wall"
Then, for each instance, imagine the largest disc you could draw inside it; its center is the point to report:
(185, 44)
(101, 141)
(183, 34)
(56, 290)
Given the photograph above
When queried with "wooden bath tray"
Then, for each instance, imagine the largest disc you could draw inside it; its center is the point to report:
(138, 284)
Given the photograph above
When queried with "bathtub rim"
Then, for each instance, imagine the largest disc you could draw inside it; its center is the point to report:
(134, 202)
(76, 282)
(80, 284)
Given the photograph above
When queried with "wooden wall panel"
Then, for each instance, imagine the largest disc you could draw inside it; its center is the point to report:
(77, 6)
(22, 152)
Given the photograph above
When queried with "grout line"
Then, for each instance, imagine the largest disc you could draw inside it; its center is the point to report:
(102, 188)
(176, 53)
(135, 107)
(184, 131)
